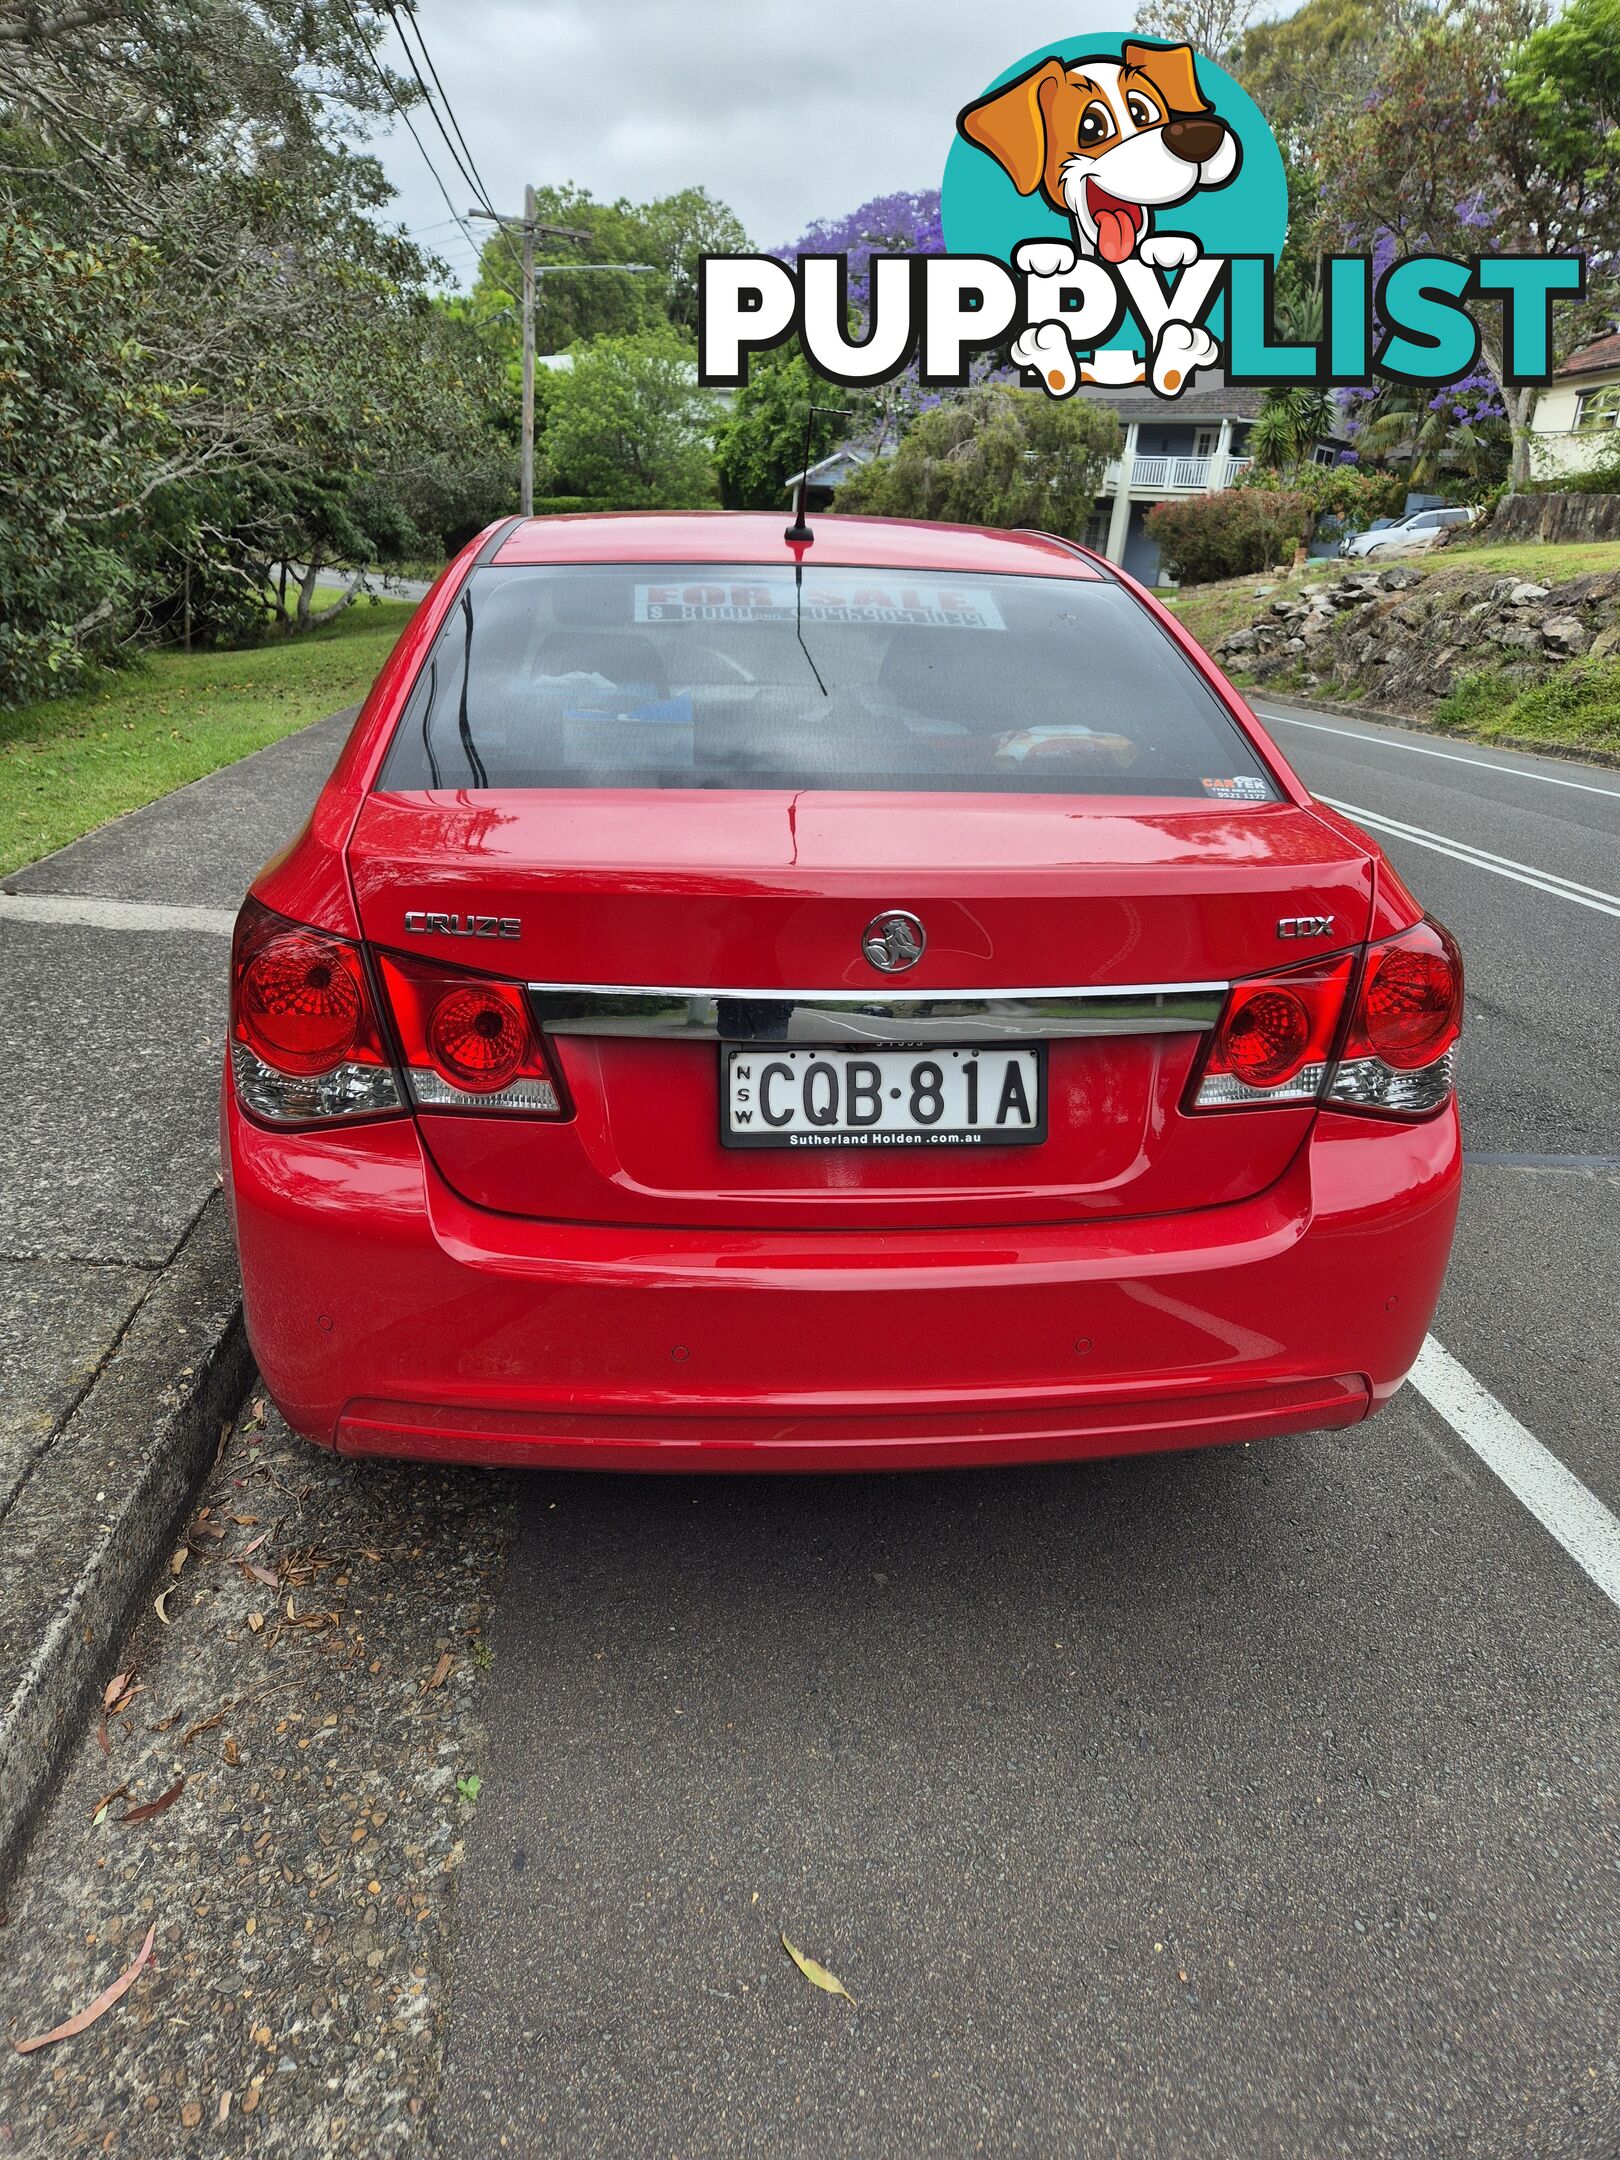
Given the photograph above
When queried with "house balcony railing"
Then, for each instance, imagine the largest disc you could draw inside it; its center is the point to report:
(1177, 475)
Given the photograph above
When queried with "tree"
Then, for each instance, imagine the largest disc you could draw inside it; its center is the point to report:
(670, 233)
(1322, 57)
(629, 426)
(281, 331)
(1208, 26)
(1465, 147)
(82, 433)
(760, 442)
(994, 456)
(1288, 427)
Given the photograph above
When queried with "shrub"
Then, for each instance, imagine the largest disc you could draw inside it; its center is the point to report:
(993, 456)
(1231, 534)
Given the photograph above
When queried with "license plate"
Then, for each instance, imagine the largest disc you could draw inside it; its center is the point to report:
(936, 1096)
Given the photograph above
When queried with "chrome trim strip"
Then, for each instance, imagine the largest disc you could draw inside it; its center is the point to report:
(875, 1016)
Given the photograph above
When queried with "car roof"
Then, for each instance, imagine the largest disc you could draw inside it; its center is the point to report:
(741, 536)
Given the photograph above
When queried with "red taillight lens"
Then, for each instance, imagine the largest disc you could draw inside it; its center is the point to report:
(468, 1041)
(1265, 1036)
(305, 1045)
(300, 1002)
(1275, 1038)
(478, 1036)
(1398, 1054)
(1409, 1006)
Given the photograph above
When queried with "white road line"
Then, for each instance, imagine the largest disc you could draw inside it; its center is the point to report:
(1554, 1495)
(1588, 896)
(1385, 739)
(82, 911)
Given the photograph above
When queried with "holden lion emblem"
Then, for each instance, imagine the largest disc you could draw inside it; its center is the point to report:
(894, 941)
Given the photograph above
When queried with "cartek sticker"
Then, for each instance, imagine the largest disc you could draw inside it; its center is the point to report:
(772, 600)
(1239, 787)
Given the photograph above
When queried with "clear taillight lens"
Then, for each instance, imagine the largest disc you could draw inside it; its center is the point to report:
(305, 1044)
(1400, 1053)
(468, 1041)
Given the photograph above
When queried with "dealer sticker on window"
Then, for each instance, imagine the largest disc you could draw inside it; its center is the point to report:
(902, 603)
(1239, 787)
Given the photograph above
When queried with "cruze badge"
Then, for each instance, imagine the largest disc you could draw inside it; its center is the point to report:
(1292, 926)
(420, 924)
(894, 941)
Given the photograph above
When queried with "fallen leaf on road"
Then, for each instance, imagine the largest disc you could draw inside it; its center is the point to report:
(178, 1558)
(208, 1723)
(119, 1792)
(441, 1672)
(114, 1688)
(160, 1605)
(255, 1621)
(232, 1753)
(261, 1574)
(81, 2019)
(101, 1738)
(149, 1808)
(252, 1544)
(817, 1975)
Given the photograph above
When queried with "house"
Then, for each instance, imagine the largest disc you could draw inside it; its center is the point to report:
(827, 474)
(1574, 418)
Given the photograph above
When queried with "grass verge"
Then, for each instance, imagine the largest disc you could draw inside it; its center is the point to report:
(72, 763)
(1581, 704)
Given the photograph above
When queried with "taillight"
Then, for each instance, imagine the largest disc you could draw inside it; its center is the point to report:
(305, 1045)
(1399, 1056)
(1286, 1038)
(468, 1041)
(1275, 1039)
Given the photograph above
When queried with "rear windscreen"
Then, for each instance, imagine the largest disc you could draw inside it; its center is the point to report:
(657, 675)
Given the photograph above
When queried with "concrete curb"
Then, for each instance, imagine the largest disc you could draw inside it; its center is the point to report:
(102, 1509)
(1573, 753)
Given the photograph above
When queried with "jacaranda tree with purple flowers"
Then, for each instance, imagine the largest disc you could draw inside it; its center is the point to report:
(1467, 147)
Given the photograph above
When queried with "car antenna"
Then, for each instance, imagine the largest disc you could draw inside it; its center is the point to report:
(799, 536)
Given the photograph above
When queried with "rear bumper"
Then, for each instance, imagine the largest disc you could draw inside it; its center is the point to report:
(389, 1317)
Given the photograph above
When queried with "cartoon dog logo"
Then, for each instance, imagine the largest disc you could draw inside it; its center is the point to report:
(1108, 142)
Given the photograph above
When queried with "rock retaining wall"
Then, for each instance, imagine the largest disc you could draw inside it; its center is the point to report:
(1402, 638)
(1556, 517)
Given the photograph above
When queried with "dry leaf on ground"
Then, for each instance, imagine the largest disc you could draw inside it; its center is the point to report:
(441, 1672)
(817, 1975)
(149, 1808)
(114, 1688)
(91, 2011)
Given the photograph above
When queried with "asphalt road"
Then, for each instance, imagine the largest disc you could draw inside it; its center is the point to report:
(1258, 1801)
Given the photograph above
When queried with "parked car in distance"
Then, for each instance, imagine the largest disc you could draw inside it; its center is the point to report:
(1418, 529)
(907, 1014)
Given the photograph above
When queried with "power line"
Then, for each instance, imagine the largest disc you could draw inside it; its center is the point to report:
(467, 166)
(395, 12)
(381, 74)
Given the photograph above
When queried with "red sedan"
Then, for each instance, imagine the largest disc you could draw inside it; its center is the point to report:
(886, 1002)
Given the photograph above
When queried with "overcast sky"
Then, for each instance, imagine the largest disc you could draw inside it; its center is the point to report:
(789, 110)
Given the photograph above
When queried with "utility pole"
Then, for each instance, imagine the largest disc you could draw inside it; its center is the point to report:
(526, 503)
(530, 228)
